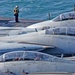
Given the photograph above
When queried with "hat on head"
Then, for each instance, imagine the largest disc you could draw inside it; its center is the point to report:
(16, 6)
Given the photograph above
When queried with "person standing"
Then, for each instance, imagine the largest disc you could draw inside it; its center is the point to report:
(74, 7)
(16, 13)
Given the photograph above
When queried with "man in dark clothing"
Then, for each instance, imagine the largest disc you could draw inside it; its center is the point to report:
(16, 13)
(74, 7)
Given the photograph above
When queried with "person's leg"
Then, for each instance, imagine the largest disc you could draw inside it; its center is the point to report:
(17, 18)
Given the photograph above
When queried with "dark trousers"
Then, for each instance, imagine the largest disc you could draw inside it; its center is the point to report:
(16, 18)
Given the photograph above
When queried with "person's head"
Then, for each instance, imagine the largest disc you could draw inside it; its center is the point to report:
(16, 7)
